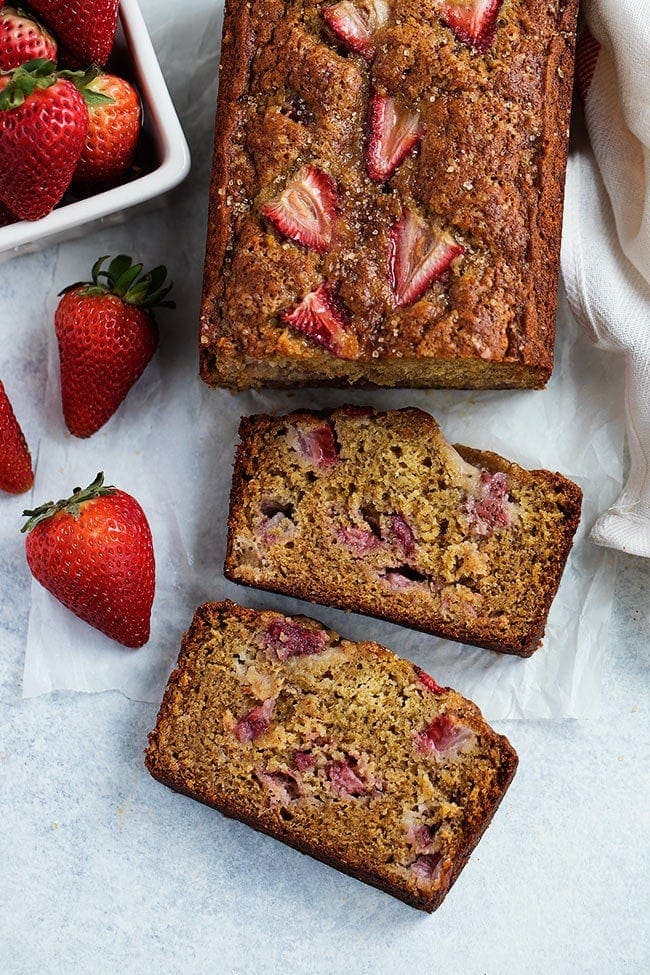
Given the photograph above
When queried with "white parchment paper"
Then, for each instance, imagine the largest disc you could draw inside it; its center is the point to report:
(172, 441)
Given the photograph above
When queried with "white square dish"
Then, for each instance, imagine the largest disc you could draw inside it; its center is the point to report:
(168, 153)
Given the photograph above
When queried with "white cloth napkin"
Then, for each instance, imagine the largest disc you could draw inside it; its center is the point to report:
(606, 239)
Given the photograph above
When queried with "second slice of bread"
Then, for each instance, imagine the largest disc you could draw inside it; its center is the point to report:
(377, 513)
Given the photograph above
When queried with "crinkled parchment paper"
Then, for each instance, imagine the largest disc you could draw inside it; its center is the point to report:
(171, 445)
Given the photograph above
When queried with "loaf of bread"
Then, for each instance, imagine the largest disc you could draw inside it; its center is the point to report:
(386, 197)
(339, 749)
(377, 513)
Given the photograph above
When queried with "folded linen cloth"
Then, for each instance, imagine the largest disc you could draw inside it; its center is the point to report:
(606, 237)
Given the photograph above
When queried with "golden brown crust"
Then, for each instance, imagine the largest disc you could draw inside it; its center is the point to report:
(491, 167)
(170, 737)
(556, 493)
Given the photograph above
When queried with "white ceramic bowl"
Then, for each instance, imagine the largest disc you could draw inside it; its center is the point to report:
(168, 154)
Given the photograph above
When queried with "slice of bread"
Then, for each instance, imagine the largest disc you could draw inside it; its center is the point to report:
(340, 749)
(377, 513)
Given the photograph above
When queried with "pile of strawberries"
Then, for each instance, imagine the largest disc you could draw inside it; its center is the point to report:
(64, 121)
(94, 550)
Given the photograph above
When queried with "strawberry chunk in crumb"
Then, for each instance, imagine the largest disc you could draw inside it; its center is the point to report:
(255, 723)
(305, 210)
(354, 22)
(427, 868)
(404, 578)
(402, 534)
(345, 781)
(418, 256)
(352, 777)
(286, 638)
(303, 761)
(442, 736)
(474, 22)
(359, 541)
(418, 834)
(491, 510)
(394, 132)
(321, 317)
(284, 787)
(316, 445)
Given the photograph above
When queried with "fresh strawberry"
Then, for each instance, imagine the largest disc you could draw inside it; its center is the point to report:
(113, 130)
(86, 27)
(394, 132)
(305, 209)
(94, 553)
(43, 125)
(354, 22)
(22, 39)
(474, 22)
(321, 317)
(16, 475)
(418, 256)
(107, 335)
(6, 216)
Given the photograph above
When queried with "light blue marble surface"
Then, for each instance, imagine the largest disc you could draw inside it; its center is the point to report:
(104, 870)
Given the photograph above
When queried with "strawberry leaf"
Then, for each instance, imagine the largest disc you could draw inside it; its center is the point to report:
(117, 267)
(71, 505)
(97, 267)
(23, 81)
(83, 80)
(126, 280)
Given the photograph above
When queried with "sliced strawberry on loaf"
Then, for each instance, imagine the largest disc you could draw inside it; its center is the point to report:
(305, 210)
(377, 513)
(395, 131)
(354, 23)
(340, 749)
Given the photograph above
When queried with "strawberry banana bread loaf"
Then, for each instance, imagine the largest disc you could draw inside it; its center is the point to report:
(386, 195)
(340, 749)
(377, 513)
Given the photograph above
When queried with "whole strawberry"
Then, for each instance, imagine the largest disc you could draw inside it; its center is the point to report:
(86, 27)
(107, 334)
(16, 474)
(94, 553)
(113, 130)
(22, 39)
(43, 125)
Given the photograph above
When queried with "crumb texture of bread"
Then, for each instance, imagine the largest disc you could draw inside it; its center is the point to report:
(340, 749)
(419, 180)
(378, 514)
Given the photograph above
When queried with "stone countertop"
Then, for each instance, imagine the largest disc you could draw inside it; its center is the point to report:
(105, 870)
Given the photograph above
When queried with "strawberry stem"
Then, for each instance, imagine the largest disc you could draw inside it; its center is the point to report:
(128, 282)
(82, 80)
(24, 80)
(70, 505)
(42, 73)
